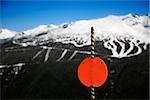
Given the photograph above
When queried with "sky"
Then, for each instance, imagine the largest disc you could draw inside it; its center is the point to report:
(20, 15)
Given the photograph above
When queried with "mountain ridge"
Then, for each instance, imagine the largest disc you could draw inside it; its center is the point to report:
(132, 28)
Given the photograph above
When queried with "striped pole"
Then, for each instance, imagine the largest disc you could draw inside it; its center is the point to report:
(92, 56)
(92, 42)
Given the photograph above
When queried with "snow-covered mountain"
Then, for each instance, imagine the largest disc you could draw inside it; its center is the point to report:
(6, 35)
(131, 30)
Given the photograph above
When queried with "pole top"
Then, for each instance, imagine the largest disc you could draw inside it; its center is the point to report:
(92, 29)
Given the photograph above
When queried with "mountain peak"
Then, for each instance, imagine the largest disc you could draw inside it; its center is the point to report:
(110, 26)
(132, 15)
(5, 33)
(110, 29)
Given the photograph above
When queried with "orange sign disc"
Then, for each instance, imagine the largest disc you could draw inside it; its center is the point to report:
(92, 72)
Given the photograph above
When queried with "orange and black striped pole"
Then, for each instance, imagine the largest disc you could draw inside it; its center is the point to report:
(92, 56)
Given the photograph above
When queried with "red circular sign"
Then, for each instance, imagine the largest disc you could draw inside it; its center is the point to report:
(92, 72)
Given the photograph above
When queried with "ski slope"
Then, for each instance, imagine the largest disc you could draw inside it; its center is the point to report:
(129, 29)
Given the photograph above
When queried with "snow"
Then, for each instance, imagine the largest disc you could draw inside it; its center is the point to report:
(6, 34)
(14, 65)
(47, 54)
(111, 26)
(39, 29)
(122, 53)
(73, 55)
(108, 29)
(63, 54)
(38, 53)
(19, 64)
